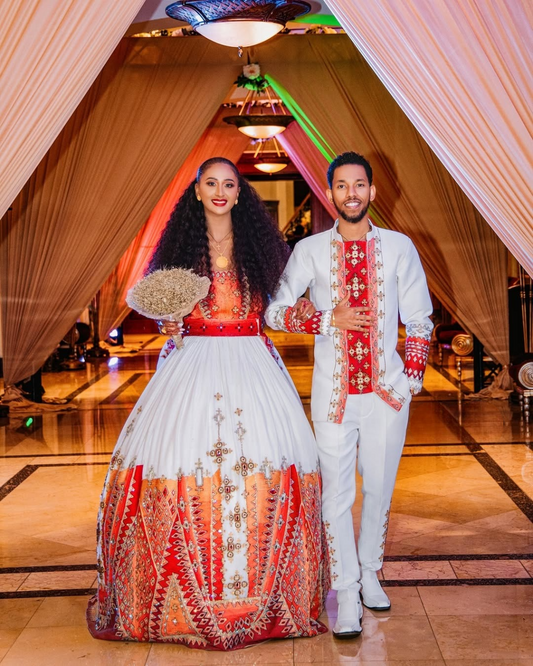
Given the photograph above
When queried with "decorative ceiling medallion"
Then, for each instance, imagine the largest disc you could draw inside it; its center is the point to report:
(237, 22)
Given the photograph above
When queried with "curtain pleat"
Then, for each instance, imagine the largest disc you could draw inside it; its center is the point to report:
(98, 184)
(309, 161)
(348, 105)
(218, 140)
(462, 72)
(105, 172)
(50, 53)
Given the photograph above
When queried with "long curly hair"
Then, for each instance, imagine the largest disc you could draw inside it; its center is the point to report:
(259, 251)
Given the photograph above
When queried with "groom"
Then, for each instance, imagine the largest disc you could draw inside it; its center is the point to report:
(361, 278)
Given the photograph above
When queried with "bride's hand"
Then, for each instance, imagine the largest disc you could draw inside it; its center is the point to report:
(303, 310)
(170, 327)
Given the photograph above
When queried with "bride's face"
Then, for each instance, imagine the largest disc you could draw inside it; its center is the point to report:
(218, 189)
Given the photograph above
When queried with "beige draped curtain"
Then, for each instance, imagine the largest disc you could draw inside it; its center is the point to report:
(50, 53)
(348, 105)
(218, 140)
(309, 161)
(462, 72)
(98, 184)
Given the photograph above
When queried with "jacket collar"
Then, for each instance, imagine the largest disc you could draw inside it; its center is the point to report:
(335, 235)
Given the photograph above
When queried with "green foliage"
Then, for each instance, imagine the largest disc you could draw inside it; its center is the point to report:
(258, 84)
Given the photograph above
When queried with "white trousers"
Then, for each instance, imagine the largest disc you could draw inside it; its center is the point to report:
(373, 434)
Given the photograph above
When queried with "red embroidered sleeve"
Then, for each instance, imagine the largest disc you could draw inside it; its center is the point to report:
(318, 324)
(416, 354)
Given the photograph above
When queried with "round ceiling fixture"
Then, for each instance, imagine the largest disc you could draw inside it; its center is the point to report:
(237, 22)
(269, 156)
(260, 126)
(270, 167)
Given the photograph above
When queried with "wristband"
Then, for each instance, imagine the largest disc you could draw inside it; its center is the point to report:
(332, 319)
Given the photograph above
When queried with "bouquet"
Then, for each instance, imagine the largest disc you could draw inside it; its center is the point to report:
(168, 294)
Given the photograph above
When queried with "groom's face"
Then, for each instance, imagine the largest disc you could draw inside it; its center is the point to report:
(351, 193)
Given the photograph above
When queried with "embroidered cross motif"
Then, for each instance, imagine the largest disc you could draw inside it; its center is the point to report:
(238, 585)
(218, 418)
(357, 286)
(266, 468)
(243, 467)
(240, 432)
(230, 547)
(237, 516)
(227, 489)
(360, 350)
(360, 381)
(219, 450)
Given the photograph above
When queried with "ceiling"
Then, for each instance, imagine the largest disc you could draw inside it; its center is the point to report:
(152, 16)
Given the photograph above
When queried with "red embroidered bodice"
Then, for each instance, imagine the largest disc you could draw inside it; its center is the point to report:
(226, 300)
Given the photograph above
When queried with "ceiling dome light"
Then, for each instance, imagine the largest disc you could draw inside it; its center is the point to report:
(260, 126)
(237, 22)
(238, 33)
(270, 157)
(270, 167)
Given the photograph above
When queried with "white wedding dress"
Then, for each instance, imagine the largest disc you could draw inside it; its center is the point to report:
(209, 532)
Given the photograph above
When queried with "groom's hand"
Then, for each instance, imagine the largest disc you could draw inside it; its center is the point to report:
(347, 318)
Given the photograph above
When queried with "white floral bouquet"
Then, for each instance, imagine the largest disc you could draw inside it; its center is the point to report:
(168, 294)
(251, 78)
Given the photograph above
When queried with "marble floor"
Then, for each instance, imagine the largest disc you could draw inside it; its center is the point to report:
(459, 557)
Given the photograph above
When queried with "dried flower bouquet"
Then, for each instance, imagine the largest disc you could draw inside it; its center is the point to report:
(168, 294)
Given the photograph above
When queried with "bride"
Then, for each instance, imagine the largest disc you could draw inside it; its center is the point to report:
(209, 531)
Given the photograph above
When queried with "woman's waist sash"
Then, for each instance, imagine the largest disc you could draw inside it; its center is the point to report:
(223, 328)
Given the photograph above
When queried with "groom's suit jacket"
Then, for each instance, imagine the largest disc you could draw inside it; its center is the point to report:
(396, 286)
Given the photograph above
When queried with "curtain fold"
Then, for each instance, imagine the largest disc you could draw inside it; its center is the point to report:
(461, 70)
(98, 183)
(50, 53)
(309, 161)
(464, 260)
(218, 140)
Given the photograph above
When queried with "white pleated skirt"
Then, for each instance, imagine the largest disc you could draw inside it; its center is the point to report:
(209, 532)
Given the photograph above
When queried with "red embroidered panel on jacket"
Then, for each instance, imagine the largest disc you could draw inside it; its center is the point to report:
(359, 350)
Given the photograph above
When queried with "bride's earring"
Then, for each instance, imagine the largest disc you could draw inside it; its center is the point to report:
(236, 202)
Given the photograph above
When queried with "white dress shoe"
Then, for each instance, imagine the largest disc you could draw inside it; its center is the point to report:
(349, 616)
(373, 596)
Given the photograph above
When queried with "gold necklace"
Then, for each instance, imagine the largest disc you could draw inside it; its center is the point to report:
(221, 261)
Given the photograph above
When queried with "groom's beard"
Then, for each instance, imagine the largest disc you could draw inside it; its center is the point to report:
(352, 219)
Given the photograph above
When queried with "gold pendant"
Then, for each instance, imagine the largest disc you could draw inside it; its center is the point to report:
(221, 261)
